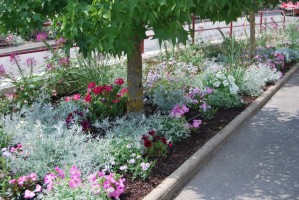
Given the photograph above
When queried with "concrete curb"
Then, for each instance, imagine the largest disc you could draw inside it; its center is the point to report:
(167, 189)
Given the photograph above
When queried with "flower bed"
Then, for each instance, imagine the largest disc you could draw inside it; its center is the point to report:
(73, 125)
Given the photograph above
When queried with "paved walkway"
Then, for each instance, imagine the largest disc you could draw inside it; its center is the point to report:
(261, 161)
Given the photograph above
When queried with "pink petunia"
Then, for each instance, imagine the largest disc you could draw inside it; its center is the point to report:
(29, 194)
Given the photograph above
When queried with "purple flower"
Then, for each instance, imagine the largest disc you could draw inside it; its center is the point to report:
(41, 36)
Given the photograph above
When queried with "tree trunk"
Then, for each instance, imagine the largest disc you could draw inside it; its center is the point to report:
(252, 34)
(134, 80)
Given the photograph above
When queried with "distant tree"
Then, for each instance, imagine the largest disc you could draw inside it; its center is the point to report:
(117, 27)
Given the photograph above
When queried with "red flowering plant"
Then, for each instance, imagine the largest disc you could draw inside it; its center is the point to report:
(106, 100)
(155, 145)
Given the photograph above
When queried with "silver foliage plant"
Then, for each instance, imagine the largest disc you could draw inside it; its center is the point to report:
(47, 142)
(257, 76)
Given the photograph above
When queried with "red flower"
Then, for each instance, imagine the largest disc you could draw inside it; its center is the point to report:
(85, 125)
(147, 143)
(170, 144)
(108, 88)
(119, 81)
(123, 92)
(98, 89)
(116, 101)
(88, 98)
(91, 85)
(152, 133)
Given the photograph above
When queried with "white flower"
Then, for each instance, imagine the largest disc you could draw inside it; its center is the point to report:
(129, 146)
(231, 79)
(216, 84)
(133, 154)
(139, 156)
(112, 162)
(225, 83)
(124, 167)
(132, 161)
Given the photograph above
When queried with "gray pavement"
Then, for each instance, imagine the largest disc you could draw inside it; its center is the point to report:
(261, 161)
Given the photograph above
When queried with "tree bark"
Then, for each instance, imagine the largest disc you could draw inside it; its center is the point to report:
(134, 80)
(252, 34)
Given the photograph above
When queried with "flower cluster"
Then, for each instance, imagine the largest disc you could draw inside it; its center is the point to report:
(275, 60)
(78, 117)
(199, 98)
(178, 111)
(106, 100)
(14, 151)
(195, 124)
(112, 184)
(220, 81)
(25, 186)
(41, 37)
(155, 145)
(2, 71)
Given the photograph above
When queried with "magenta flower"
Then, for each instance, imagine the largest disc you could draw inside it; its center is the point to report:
(60, 172)
(119, 81)
(29, 194)
(21, 180)
(14, 58)
(178, 111)
(13, 181)
(30, 62)
(75, 177)
(41, 37)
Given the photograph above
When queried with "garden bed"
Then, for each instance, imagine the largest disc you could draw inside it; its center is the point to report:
(189, 97)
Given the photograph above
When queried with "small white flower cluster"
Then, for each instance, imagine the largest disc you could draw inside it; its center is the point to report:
(145, 166)
(221, 80)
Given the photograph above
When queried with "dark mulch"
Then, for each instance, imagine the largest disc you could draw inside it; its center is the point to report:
(179, 153)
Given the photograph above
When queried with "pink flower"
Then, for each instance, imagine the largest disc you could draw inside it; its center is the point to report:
(76, 97)
(33, 176)
(14, 58)
(13, 181)
(48, 180)
(178, 111)
(38, 188)
(119, 81)
(21, 180)
(67, 99)
(60, 172)
(60, 41)
(12, 149)
(2, 71)
(41, 36)
(50, 66)
(196, 123)
(91, 85)
(123, 91)
(30, 62)
(75, 177)
(29, 194)
(64, 61)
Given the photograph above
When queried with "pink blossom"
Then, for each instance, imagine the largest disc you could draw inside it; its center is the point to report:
(50, 66)
(21, 180)
(38, 188)
(123, 91)
(88, 98)
(41, 36)
(60, 41)
(29, 194)
(2, 71)
(48, 180)
(64, 61)
(178, 111)
(75, 177)
(67, 99)
(14, 58)
(33, 176)
(60, 172)
(91, 85)
(196, 123)
(30, 62)
(76, 97)
(13, 181)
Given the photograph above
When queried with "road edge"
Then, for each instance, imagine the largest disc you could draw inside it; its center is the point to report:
(174, 182)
